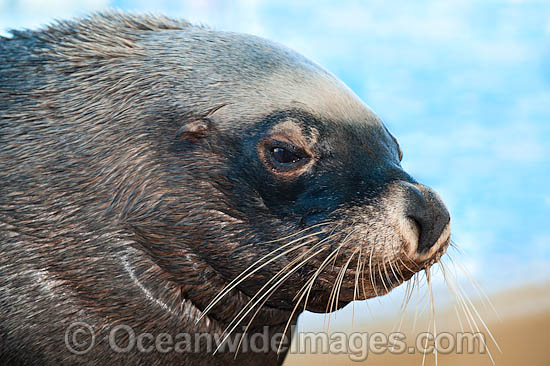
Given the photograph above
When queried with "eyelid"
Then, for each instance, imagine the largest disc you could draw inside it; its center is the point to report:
(290, 147)
(265, 150)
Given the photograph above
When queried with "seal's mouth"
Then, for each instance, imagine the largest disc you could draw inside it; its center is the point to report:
(365, 252)
(354, 276)
(326, 269)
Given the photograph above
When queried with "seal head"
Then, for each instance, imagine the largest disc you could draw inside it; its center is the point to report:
(149, 165)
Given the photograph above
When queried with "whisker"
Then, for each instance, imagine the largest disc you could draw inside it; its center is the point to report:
(304, 293)
(479, 290)
(234, 323)
(480, 318)
(451, 289)
(234, 284)
(273, 288)
(327, 259)
(472, 305)
(363, 267)
(382, 277)
(432, 307)
(305, 290)
(308, 286)
(386, 272)
(370, 272)
(475, 325)
(426, 344)
(343, 275)
(332, 292)
(355, 288)
(459, 319)
(468, 314)
(245, 274)
(402, 311)
(456, 247)
(417, 266)
(412, 282)
(333, 296)
(312, 277)
(451, 284)
(393, 271)
(339, 281)
(416, 313)
(283, 270)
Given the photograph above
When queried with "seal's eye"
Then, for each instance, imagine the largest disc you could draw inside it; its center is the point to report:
(283, 156)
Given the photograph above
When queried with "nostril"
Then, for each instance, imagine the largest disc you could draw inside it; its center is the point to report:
(429, 214)
(417, 225)
(422, 227)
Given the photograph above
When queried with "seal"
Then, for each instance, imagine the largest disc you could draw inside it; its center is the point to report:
(161, 179)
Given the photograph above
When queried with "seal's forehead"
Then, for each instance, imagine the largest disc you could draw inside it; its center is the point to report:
(320, 94)
(287, 80)
(254, 77)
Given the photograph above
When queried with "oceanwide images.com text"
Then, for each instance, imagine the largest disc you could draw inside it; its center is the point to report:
(80, 338)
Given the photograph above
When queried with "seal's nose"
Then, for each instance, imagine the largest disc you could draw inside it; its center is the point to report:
(428, 212)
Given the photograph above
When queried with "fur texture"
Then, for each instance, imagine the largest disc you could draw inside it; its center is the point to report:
(136, 183)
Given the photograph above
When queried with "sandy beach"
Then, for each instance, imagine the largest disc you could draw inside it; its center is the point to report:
(522, 332)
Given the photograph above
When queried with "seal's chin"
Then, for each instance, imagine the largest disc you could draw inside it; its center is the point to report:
(325, 299)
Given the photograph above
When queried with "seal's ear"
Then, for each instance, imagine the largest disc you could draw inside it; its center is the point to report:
(196, 129)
